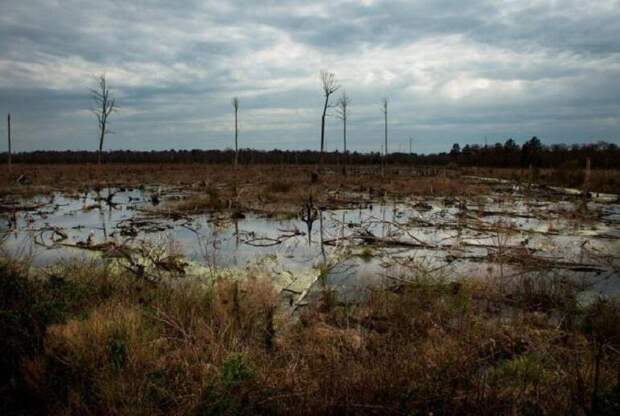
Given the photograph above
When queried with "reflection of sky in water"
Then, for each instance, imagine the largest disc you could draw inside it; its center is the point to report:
(546, 227)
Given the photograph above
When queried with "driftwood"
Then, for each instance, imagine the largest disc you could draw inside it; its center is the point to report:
(268, 241)
(137, 258)
(386, 242)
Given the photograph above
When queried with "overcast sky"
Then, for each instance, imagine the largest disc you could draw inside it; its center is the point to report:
(453, 71)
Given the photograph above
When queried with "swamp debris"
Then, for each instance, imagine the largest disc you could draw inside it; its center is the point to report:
(144, 259)
(251, 239)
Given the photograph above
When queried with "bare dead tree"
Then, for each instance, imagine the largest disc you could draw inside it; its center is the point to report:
(330, 86)
(235, 103)
(384, 110)
(8, 129)
(343, 108)
(411, 153)
(104, 105)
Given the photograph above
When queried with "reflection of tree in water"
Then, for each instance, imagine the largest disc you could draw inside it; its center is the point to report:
(309, 214)
(322, 240)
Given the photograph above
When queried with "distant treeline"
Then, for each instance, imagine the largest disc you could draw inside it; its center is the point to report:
(508, 154)
(533, 152)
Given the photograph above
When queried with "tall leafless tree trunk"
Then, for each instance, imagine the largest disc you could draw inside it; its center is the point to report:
(104, 106)
(235, 103)
(384, 110)
(411, 154)
(8, 129)
(343, 107)
(329, 85)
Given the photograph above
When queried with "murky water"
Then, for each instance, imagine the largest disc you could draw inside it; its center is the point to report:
(504, 234)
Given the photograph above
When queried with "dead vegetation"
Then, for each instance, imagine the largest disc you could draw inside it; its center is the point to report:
(133, 333)
(271, 189)
(277, 184)
(83, 338)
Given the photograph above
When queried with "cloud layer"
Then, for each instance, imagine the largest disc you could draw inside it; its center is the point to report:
(452, 70)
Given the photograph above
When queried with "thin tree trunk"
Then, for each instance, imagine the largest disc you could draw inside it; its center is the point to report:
(386, 132)
(8, 123)
(344, 136)
(100, 145)
(385, 149)
(236, 140)
(323, 131)
(382, 161)
(102, 125)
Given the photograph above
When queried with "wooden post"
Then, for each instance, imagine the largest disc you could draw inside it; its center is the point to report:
(8, 124)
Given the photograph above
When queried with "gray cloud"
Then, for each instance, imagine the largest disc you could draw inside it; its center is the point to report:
(453, 71)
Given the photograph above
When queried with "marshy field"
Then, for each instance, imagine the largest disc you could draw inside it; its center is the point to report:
(274, 289)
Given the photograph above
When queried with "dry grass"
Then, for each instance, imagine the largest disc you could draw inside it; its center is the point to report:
(117, 345)
(269, 188)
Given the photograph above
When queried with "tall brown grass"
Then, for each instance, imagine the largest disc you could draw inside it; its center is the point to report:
(96, 341)
(281, 184)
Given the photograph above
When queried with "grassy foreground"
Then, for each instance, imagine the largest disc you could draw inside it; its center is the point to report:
(89, 339)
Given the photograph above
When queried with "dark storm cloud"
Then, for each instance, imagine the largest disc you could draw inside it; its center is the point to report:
(453, 70)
